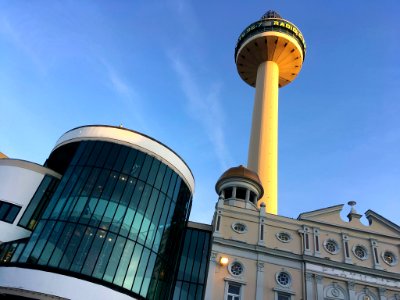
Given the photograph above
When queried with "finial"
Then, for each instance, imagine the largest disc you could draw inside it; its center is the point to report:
(353, 213)
(352, 204)
(121, 126)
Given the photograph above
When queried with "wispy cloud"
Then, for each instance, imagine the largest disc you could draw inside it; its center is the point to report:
(126, 93)
(16, 37)
(204, 107)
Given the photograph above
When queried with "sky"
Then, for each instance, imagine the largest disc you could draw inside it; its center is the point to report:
(166, 68)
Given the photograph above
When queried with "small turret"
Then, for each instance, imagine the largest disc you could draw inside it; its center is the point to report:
(239, 186)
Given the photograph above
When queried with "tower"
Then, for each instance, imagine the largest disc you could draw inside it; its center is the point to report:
(269, 54)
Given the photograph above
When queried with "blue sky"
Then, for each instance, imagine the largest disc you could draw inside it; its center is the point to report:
(166, 68)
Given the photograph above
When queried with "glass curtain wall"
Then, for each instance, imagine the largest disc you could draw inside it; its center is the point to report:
(191, 277)
(117, 218)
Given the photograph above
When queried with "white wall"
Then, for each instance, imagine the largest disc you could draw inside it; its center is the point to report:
(19, 181)
(56, 285)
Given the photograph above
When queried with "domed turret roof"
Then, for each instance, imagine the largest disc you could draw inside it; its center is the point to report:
(240, 172)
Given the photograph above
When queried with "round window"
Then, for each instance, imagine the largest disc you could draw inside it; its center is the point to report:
(360, 252)
(236, 268)
(389, 258)
(331, 246)
(284, 237)
(284, 279)
(239, 227)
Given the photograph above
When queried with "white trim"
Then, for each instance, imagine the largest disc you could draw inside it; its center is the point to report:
(134, 140)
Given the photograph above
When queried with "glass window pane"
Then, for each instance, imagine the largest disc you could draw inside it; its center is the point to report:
(72, 247)
(12, 214)
(112, 156)
(146, 168)
(55, 198)
(124, 263)
(137, 166)
(104, 255)
(51, 243)
(101, 181)
(121, 158)
(172, 183)
(197, 257)
(4, 207)
(199, 293)
(114, 259)
(83, 249)
(86, 153)
(234, 289)
(140, 271)
(94, 251)
(32, 241)
(160, 176)
(118, 217)
(65, 194)
(61, 245)
(130, 275)
(147, 276)
(37, 250)
(166, 180)
(153, 171)
(104, 153)
(185, 291)
(78, 153)
(91, 161)
(129, 162)
(24, 221)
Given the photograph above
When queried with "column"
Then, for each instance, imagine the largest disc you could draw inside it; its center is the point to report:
(211, 275)
(317, 242)
(352, 292)
(346, 249)
(382, 293)
(320, 287)
(263, 148)
(374, 247)
(260, 281)
(310, 287)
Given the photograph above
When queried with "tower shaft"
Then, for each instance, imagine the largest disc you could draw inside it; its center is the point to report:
(263, 148)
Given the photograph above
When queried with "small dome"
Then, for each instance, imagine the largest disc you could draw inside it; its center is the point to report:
(240, 172)
(271, 14)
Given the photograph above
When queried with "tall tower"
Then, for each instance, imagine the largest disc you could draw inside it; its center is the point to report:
(269, 54)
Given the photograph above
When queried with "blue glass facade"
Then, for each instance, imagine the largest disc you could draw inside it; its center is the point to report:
(117, 217)
(191, 275)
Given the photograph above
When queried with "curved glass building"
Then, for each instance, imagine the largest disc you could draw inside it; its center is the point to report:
(117, 217)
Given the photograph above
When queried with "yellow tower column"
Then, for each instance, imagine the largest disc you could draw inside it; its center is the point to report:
(263, 149)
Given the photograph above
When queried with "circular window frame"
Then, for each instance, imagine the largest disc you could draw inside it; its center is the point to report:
(354, 249)
(289, 284)
(395, 261)
(336, 245)
(238, 231)
(277, 235)
(231, 265)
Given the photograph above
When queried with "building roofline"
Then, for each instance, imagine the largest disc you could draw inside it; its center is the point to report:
(28, 165)
(146, 144)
